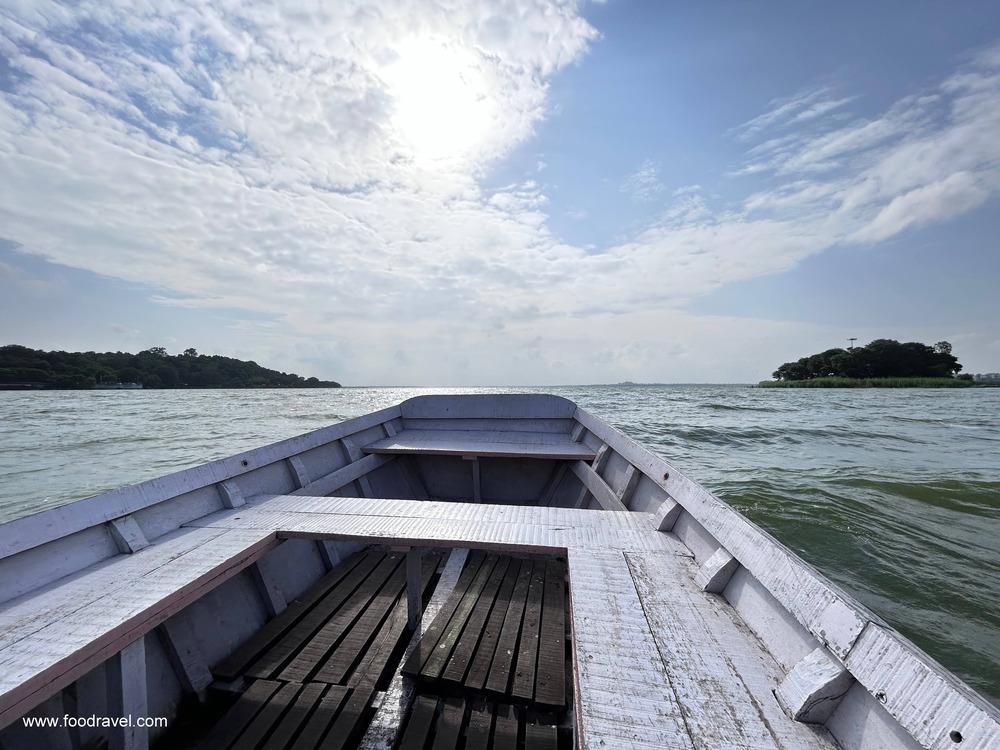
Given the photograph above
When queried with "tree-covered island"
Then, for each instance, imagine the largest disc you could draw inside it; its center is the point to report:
(882, 363)
(21, 367)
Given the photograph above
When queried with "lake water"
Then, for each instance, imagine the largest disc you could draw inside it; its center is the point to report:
(893, 494)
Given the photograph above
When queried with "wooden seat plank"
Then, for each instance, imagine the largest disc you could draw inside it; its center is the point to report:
(236, 719)
(313, 651)
(235, 663)
(479, 670)
(448, 730)
(419, 726)
(322, 718)
(550, 679)
(499, 678)
(272, 660)
(458, 664)
(425, 646)
(546, 445)
(268, 716)
(442, 651)
(523, 686)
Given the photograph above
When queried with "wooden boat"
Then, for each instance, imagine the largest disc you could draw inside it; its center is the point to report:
(454, 571)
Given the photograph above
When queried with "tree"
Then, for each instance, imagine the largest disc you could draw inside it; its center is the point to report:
(881, 358)
(192, 352)
(156, 351)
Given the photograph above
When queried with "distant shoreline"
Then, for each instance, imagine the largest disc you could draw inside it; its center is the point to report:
(836, 382)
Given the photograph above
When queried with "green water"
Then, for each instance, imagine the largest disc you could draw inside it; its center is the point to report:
(893, 494)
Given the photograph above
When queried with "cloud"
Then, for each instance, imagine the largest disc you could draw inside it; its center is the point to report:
(643, 184)
(258, 158)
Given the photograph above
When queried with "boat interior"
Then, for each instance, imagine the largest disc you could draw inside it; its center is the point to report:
(452, 572)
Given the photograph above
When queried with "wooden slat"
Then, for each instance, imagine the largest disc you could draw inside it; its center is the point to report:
(435, 664)
(281, 649)
(232, 724)
(329, 634)
(233, 665)
(540, 737)
(477, 735)
(458, 663)
(479, 670)
(321, 720)
(269, 716)
(278, 653)
(523, 685)
(499, 678)
(505, 728)
(550, 681)
(418, 728)
(480, 443)
(448, 730)
(347, 727)
(293, 721)
(425, 646)
(373, 638)
(354, 641)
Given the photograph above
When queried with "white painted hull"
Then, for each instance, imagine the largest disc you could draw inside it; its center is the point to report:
(710, 611)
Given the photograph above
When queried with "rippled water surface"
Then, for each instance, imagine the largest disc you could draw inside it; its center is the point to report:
(894, 494)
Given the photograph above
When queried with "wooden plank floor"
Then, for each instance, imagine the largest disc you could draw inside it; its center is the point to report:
(502, 632)
(452, 723)
(275, 715)
(343, 631)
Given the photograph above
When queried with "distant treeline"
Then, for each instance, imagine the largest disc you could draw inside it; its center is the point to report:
(882, 358)
(153, 368)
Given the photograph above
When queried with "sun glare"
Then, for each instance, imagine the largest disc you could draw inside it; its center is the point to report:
(443, 107)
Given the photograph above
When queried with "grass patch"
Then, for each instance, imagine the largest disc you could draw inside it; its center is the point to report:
(869, 383)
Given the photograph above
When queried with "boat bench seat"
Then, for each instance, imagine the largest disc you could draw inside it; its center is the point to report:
(543, 445)
(53, 635)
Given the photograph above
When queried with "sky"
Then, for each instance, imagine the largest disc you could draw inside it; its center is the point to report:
(500, 193)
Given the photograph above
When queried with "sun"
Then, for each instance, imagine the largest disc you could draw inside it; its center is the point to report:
(443, 109)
